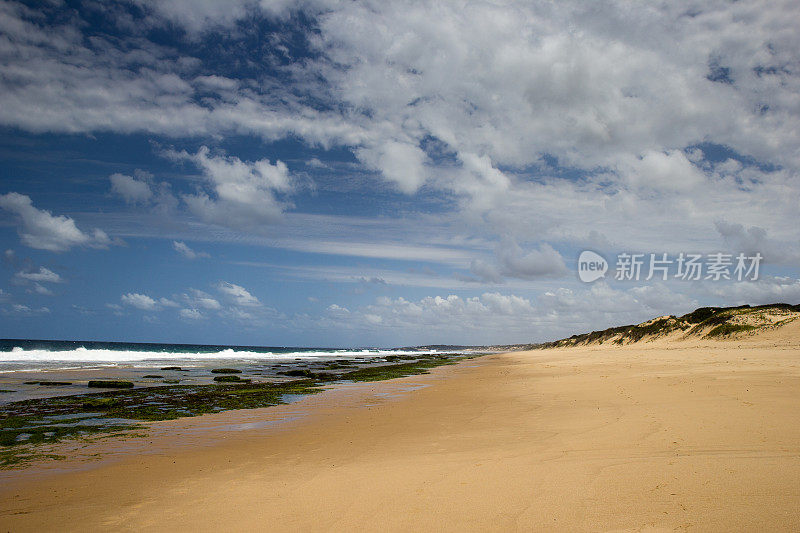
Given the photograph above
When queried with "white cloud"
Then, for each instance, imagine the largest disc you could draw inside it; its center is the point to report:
(24, 310)
(401, 163)
(509, 82)
(191, 314)
(766, 290)
(243, 193)
(667, 172)
(197, 15)
(183, 249)
(146, 303)
(41, 230)
(495, 317)
(508, 85)
(43, 275)
(386, 250)
(132, 189)
(42, 290)
(338, 311)
(238, 294)
(199, 299)
(139, 301)
(544, 124)
(515, 262)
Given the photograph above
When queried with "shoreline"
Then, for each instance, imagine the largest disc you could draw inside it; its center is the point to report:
(167, 436)
(664, 436)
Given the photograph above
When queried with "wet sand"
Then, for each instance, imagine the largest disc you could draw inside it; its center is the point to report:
(654, 436)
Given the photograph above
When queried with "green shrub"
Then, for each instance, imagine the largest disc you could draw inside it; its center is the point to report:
(728, 329)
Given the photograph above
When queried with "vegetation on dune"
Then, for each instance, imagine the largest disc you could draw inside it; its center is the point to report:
(728, 329)
(707, 321)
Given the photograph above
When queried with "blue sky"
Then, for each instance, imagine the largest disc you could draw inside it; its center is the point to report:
(367, 173)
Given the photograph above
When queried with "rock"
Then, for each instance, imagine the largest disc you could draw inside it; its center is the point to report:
(110, 384)
(230, 379)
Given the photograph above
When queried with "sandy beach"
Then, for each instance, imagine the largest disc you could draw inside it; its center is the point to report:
(689, 435)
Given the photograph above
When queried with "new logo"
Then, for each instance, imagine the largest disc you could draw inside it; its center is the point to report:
(591, 266)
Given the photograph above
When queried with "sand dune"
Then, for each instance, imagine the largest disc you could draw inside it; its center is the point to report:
(694, 434)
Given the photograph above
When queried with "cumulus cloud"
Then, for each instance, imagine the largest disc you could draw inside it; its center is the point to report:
(495, 317)
(401, 163)
(38, 228)
(539, 123)
(191, 314)
(146, 303)
(238, 294)
(38, 288)
(43, 275)
(544, 262)
(196, 16)
(183, 249)
(131, 189)
(767, 290)
(199, 299)
(514, 262)
(139, 301)
(509, 82)
(242, 193)
(24, 310)
(237, 305)
(142, 190)
(337, 311)
(511, 86)
(753, 240)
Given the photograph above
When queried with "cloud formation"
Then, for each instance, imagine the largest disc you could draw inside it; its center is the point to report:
(42, 230)
(183, 249)
(242, 193)
(238, 295)
(43, 275)
(146, 303)
(131, 189)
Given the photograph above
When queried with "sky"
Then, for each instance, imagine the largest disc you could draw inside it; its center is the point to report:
(368, 173)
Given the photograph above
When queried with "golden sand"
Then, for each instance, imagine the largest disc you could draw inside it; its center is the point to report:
(693, 435)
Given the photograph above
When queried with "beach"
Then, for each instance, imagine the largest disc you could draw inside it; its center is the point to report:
(696, 435)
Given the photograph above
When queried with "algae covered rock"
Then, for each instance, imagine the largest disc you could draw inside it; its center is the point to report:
(230, 379)
(110, 384)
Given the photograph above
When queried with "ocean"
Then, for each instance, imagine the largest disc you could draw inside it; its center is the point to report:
(38, 369)
(17, 354)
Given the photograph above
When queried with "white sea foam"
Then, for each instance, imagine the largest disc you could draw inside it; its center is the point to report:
(82, 355)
